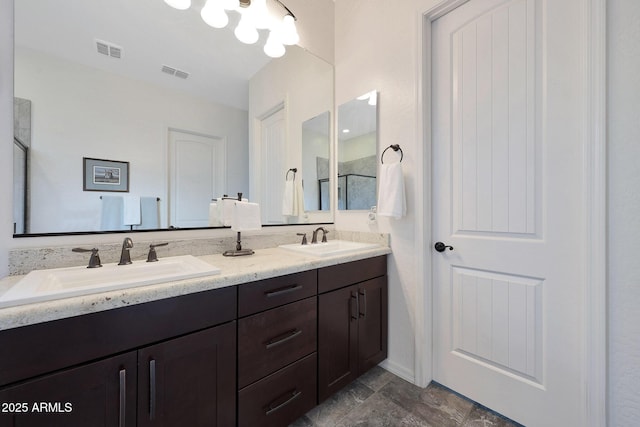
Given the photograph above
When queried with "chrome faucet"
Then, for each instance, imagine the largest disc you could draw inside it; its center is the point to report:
(125, 257)
(314, 238)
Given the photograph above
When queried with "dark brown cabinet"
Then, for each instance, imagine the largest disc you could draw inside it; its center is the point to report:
(189, 380)
(277, 342)
(97, 394)
(258, 354)
(352, 323)
(178, 367)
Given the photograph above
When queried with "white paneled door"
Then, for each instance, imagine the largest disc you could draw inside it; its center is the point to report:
(508, 198)
(197, 174)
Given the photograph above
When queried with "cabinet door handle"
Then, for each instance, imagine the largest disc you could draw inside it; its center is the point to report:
(123, 398)
(355, 309)
(280, 339)
(272, 408)
(152, 389)
(363, 312)
(282, 291)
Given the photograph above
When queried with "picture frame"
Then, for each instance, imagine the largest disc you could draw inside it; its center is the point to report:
(105, 175)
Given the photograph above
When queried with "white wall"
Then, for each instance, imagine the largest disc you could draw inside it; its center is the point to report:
(624, 211)
(377, 47)
(79, 112)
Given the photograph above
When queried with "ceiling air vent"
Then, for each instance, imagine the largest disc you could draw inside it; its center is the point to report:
(108, 49)
(174, 72)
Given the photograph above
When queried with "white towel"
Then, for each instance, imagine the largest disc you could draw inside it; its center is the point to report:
(111, 218)
(246, 216)
(131, 213)
(292, 200)
(149, 213)
(391, 197)
(225, 210)
(214, 215)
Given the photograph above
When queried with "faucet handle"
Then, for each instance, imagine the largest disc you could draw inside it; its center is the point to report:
(153, 256)
(94, 261)
(324, 235)
(304, 238)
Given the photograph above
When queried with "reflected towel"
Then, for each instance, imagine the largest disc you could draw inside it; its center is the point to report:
(391, 197)
(149, 213)
(111, 215)
(225, 210)
(214, 215)
(292, 200)
(246, 216)
(131, 213)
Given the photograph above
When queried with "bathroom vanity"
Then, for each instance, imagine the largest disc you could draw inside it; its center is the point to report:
(256, 353)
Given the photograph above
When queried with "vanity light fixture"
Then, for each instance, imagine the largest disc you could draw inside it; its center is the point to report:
(254, 16)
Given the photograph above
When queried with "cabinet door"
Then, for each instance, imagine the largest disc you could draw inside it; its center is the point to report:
(189, 381)
(372, 323)
(337, 340)
(97, 394)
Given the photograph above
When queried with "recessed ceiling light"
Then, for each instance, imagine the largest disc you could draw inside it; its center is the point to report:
(345, 131)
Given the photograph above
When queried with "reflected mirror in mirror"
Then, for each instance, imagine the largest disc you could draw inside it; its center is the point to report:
(315, 167)
(357, 152)
(136, 82)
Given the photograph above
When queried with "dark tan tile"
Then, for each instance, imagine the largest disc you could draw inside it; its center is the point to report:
(434, 404)
(377, 411)
(337, 406)
(376, 378)
(481, 417)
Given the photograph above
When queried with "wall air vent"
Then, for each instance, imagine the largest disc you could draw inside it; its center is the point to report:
(174, 72)
(108, 49)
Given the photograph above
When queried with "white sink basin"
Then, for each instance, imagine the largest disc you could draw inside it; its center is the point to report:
(330, 248)
(44, 285)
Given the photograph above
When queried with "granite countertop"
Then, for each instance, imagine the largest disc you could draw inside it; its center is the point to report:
(264, 264)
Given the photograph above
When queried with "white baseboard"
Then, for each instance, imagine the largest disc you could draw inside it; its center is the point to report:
(399, 370)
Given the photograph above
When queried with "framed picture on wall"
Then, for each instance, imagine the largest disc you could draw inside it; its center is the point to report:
(105, 175)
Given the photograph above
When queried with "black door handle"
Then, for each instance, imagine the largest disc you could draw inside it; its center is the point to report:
(440, 247)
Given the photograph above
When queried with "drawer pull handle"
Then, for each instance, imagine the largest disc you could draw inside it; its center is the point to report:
(363, 312)
(355, 305)
(152, 389)
(123, 397)
(294, 395)
(283, 291)
(281, 339)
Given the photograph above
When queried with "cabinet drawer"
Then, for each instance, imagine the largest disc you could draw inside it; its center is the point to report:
(280, 398)
(265, 294)
(341, 275)
(271, 340)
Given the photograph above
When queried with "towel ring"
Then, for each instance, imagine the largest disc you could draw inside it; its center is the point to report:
(395, 147)
(294, 170)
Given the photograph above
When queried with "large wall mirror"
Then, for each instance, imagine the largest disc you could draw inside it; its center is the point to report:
(357, 152)
(165, 101)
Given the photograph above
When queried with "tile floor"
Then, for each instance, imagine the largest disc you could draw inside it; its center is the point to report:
(380, 398)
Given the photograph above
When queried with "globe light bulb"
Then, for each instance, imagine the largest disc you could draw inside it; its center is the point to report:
(214, 15)
(273, 47)
(259, 14)
(179, 4)
(245, 31)
(288, 32)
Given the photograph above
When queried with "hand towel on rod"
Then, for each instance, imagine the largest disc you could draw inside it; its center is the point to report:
(149, 213)
(391, 196)
(292, 200)
(131, 213)
(111, 214)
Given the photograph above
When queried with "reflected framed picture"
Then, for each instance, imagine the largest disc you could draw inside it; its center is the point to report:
(105, 175)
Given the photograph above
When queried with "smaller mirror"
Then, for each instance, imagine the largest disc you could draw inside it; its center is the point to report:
(315, 162)
(357, 152)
